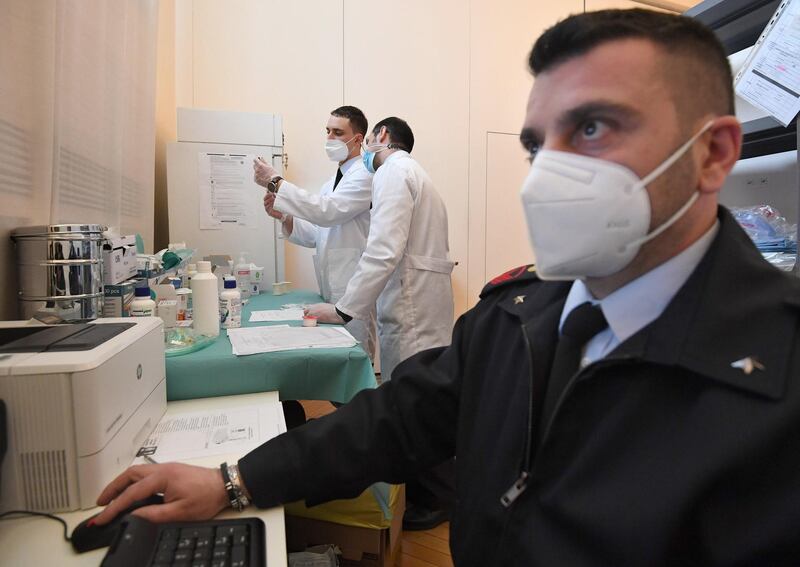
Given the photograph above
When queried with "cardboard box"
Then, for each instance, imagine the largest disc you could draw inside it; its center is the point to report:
(119, 259)
(117, 299)
(361, 547)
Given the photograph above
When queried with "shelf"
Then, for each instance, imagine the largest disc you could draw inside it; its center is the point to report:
(766, 136)
(737, 23)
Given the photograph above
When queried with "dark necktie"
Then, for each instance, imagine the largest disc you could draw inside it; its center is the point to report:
(339, 175)
(582, 323)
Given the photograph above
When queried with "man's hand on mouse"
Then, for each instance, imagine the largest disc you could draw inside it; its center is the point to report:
(190, 493)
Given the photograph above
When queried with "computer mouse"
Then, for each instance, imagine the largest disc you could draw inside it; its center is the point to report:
(87, 537)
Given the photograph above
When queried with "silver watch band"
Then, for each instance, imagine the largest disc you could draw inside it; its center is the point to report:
(236, 481)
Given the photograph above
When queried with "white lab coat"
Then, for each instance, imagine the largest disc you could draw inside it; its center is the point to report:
(336, 223)
(406, 266)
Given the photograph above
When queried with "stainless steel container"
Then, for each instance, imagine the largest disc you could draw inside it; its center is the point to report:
(60, 270)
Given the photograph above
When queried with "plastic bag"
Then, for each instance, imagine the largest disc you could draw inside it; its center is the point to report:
(768, 229)
(183, 340)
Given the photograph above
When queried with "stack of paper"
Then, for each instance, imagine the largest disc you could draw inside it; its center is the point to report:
(202, 434)
(277, 315)
(255, 340)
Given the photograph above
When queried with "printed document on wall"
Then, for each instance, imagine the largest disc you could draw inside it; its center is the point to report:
(225, 182)
(770, 79)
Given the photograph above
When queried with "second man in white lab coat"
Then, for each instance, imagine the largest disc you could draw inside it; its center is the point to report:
(336, 220)
(405, 266)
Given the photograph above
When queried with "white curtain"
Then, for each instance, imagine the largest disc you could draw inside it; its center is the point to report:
(77, 117)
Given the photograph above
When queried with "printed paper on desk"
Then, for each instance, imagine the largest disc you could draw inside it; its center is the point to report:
(255, 340)
(203, 434)
(770, 79)
(276, 315)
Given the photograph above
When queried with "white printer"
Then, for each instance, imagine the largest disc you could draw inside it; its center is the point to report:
(80, 400)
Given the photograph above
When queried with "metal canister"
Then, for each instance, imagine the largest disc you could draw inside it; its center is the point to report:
(60, 270)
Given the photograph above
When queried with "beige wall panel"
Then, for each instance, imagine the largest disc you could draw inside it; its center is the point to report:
(166, 117)
(507, 242)
(502, 34)
(413, 62)
(658, 5)
(274, 56)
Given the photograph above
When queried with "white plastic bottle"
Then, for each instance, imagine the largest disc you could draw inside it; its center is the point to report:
(230, 305)
(242, 273)
(142, 305)
(205, 301)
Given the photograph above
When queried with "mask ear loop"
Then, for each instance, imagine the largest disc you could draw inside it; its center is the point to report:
(654, 175)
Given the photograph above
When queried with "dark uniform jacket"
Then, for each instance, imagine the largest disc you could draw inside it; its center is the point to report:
(681, 447)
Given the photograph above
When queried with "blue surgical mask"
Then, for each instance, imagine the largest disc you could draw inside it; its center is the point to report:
(369, 161)
(368, 156)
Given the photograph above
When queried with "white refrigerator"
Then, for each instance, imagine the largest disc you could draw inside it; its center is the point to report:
(215, 207)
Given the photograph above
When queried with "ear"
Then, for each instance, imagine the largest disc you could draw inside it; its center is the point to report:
(383, 136)
(724, 147)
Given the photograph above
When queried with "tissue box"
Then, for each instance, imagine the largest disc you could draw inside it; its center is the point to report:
(119, 259)
(117, 299)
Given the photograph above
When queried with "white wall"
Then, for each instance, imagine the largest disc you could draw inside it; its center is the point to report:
(455, 70)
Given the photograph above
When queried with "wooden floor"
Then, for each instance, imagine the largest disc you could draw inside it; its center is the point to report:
(430, 548)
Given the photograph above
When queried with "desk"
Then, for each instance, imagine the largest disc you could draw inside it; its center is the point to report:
(308, 374)
(30, 541)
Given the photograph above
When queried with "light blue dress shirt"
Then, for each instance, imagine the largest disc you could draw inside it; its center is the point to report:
(639, 302)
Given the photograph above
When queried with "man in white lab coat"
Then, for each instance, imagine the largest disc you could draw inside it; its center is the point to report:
(406, 269)
(336, 220)
(405, 266)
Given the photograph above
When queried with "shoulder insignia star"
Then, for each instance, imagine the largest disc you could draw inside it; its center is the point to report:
(747, 365)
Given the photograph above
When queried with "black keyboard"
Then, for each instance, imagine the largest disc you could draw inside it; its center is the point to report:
(215, 543)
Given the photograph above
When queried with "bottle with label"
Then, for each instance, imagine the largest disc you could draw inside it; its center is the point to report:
(242, 273)
(205, 301)
(230, 305)
(142, 305)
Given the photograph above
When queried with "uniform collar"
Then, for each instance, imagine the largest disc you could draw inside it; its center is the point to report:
(639, 302)
(708, 329)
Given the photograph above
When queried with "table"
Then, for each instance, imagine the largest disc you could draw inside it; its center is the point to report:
(308, 374)
(28, 541)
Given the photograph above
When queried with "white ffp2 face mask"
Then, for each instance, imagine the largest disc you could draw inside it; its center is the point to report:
(588, 217)
(337, 150)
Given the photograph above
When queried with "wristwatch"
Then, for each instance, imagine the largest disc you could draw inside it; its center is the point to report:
(272, 184)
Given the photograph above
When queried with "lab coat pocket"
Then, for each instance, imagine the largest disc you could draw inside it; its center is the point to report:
(439, 265)
(342, 263)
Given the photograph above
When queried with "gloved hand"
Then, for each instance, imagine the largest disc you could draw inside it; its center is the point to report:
(324, 312)
(263, 171)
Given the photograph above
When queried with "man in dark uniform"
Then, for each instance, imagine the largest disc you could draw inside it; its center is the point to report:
(641, 409)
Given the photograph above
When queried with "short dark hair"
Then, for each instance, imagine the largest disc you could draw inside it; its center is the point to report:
(357, 119)
(399, 132)
(706, 73)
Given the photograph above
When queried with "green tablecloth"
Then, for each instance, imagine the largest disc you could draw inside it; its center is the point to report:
(335, 374)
